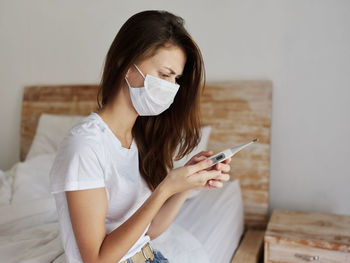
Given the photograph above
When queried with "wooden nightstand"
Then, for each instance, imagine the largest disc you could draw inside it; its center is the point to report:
(295, 236)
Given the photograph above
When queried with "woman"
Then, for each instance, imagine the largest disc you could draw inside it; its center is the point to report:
(113, 178)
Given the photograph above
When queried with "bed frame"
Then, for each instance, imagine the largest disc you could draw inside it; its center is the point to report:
(237, 111)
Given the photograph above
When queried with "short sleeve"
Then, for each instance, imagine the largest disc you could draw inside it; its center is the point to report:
(78, 165)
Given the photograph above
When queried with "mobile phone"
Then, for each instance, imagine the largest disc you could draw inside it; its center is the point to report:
(222, 156)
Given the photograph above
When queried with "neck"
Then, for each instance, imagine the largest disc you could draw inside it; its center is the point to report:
(120, 116)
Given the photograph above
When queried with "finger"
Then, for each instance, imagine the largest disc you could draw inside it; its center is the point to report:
(210, 153)
(227, 160)
(212, 174)
(205, 176)
(196, 159)
(223, 167)
(193, 168)
(223, 177)
(208, 186)
(204, 153)
(216, 184)
(200, 158)
(220, 177)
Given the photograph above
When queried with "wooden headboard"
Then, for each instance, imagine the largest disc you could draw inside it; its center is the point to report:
(237, 111)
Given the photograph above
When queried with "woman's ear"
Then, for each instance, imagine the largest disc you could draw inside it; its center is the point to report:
(127, 73)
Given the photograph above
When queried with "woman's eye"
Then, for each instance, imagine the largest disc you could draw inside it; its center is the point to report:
(164, 75)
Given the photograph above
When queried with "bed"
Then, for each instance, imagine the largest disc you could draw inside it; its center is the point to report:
(236, 112)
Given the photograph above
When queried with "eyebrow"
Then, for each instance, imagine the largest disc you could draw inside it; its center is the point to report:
(172, 71)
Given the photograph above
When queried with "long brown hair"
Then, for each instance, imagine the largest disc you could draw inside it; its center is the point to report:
(157, 137)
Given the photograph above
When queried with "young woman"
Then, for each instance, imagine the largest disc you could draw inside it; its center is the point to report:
(113, 178)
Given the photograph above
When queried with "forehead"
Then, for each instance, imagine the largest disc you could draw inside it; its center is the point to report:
(170, 56)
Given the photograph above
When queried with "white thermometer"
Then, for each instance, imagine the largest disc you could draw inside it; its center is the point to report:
(222, 156)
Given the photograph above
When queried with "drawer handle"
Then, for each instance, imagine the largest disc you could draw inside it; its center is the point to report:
(306, 257)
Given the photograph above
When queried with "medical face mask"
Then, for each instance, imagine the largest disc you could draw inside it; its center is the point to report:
(154, 97)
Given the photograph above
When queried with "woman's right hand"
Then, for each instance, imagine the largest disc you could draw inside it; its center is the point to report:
(189, 177)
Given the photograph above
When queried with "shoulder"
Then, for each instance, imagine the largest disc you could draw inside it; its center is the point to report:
(89, 127)
(84, 137)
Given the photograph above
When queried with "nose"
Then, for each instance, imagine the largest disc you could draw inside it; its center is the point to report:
(173, 80)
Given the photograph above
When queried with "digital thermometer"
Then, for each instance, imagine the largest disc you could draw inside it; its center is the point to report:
(222, 156)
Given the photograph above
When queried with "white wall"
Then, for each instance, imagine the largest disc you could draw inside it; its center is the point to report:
(303, 46)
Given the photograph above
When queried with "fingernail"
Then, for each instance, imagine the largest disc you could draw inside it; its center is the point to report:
(209, 161)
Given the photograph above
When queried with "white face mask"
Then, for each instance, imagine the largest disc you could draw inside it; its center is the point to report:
(155, 97)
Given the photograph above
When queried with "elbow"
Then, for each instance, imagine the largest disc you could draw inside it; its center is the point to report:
(97, 260)
(151, 236)
(93, 260)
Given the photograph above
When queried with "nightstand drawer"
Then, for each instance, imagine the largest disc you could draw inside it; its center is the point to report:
(296, 254)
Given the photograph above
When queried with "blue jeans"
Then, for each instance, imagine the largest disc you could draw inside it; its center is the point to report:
(158, 258)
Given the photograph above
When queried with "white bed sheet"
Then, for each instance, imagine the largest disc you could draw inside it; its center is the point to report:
(215, 217)
(29, 228)
(6, 181)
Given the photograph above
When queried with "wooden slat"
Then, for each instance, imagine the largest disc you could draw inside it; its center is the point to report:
(250, 249)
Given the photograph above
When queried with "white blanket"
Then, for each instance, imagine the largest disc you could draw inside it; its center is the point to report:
(6, 182)
(29, 232)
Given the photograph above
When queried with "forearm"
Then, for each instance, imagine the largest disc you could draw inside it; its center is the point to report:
(118, 242)
(167, 214)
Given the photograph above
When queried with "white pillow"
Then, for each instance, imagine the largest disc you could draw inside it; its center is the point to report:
(50, 131)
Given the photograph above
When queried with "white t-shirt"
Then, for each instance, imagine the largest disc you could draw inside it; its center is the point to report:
(91, 156)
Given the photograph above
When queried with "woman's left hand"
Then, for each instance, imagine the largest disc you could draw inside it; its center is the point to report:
(223, 166)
